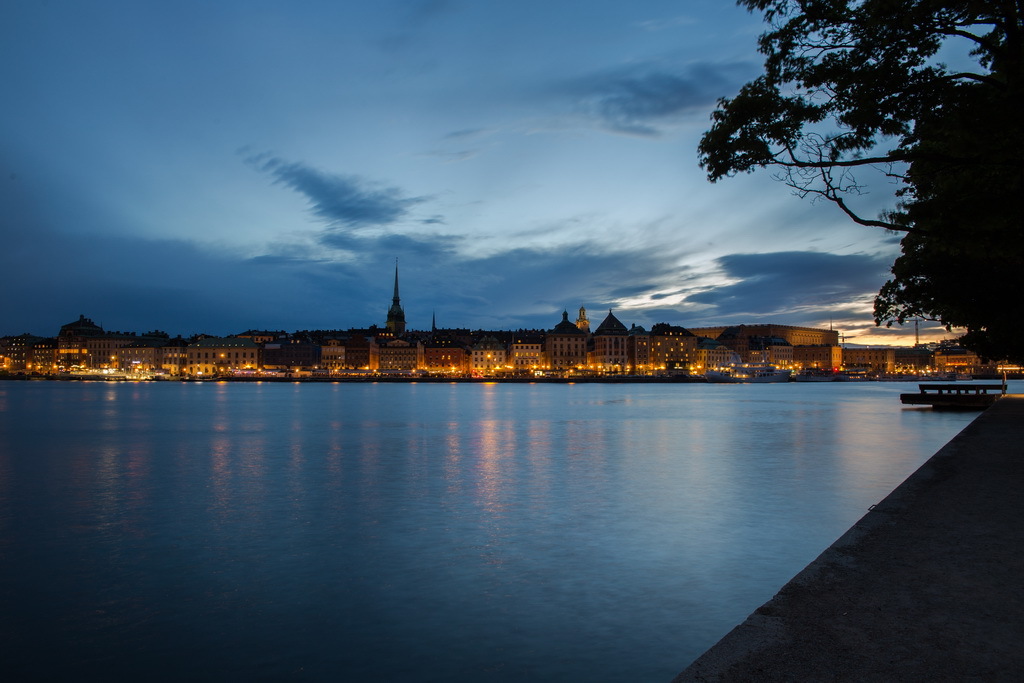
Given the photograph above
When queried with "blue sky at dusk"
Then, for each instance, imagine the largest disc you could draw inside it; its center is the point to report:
(215, 167)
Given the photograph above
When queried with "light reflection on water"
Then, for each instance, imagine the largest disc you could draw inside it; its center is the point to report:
(422, 531)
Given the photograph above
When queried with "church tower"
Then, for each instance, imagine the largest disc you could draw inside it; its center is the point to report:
(396, 316)
(582, 322)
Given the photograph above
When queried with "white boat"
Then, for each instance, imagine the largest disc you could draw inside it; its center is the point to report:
(748, 373)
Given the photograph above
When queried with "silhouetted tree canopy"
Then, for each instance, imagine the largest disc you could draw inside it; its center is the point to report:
(849, 84)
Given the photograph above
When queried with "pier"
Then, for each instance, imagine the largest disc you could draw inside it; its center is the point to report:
(926, 586)
(968, 396)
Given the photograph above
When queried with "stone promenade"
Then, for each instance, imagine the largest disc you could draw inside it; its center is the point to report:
(927, 586)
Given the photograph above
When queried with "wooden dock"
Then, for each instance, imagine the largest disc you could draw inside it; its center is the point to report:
(966, 396)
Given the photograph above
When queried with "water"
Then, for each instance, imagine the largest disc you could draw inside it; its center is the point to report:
(421, 532)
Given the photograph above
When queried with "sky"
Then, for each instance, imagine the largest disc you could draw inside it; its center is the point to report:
(214, 167)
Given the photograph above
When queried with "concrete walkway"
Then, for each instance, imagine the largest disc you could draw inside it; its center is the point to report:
(927, 586)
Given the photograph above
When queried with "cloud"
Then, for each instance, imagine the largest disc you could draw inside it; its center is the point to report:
(643, 100)
(425, 249)
(654, 25)
(517, 288)
(342, 199)
(338, 278)
(466, 133)
(794, 285)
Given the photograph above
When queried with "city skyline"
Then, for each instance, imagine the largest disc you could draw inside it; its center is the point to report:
(257, 165)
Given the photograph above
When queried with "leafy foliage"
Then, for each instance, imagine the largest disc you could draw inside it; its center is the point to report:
(850, 84)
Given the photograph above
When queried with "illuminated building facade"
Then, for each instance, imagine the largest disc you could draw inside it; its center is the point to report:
(771, 350)
(793, 334)
(488, 357)
(565, 346)
(445, 356)
(672, 348)
(401, 355)
(72, 343)
(638, 350)
(526, 353)
(610, 352)
(212, 356)
(332, 355)
(875, 359)
(821, 356)
(711, 355)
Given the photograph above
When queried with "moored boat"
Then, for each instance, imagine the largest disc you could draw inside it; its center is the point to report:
(816, 375)
(748, 373)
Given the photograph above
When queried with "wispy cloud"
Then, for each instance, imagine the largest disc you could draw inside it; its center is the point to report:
(349, 200)
(666, 23)
(645, 99)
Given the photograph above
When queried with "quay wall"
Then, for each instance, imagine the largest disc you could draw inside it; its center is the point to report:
(928, 585)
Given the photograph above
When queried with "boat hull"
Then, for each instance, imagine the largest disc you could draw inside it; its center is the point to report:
(771, 376)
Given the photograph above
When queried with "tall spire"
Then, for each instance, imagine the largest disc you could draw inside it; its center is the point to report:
(396, 316)
(395, 299)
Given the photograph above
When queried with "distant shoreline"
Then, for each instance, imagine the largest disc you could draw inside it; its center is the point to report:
(608, 379)
(681, 379)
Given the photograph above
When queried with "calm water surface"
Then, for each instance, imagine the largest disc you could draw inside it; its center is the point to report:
(421, 532)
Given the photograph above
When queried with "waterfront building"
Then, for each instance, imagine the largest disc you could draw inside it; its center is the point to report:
(638, 350)
(526, 353)
(139, 356)
(488, 357)
(565, 346)
(818, 356)
(793, 334)
(212, 356)
(360, 349)
(72, 343)
(672, 348)
(104, 351)
(770, 350)
(442, 354)
(610, 352)
(172, 357)
(43, 355)
(953, 358)
(28, 354)
(875, 359)
(293, 354)
(135, 354)
(83, 344)
(18, 354)
(914, 359)
(396, 316)
(711, 354)
(332, 355)
(398, 355)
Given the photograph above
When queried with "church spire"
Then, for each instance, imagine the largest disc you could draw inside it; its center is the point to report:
(395, 299)
(396, 316)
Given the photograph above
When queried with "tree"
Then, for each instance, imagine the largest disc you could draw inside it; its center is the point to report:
(851, 84)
